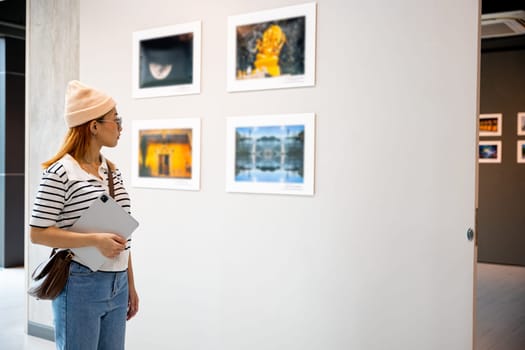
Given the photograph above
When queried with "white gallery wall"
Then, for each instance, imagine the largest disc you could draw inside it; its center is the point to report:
(378, 257)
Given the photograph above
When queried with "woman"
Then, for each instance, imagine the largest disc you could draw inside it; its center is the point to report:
(92, 309)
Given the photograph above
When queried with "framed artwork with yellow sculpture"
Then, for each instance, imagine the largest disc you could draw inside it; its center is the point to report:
(166, 153)
(272, 49)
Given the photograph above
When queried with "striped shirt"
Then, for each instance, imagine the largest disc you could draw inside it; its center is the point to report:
(66, 191)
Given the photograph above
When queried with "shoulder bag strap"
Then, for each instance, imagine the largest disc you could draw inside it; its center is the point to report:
(110, 181)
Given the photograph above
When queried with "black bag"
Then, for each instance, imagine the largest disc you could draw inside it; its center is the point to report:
(50, 277)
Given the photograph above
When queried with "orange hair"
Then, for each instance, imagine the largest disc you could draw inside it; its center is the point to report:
(76, 143)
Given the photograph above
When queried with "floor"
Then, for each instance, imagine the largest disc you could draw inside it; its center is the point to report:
(12, 314)
(501, 307)
(500, 310)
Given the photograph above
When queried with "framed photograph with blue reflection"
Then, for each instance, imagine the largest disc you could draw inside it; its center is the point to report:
(167, 60)
(489, 151)
(272, 154)
(272, 49)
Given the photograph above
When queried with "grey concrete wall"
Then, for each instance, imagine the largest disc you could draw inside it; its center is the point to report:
(52, 60)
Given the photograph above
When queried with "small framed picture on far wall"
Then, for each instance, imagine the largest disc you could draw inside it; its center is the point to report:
(521, 151)
(521, 123)
(489, 152)
(490, 124)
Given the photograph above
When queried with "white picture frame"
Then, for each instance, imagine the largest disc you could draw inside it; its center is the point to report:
(520, 151)
(166, 153)
(293, 66)
(166, 61)
(490, 124)
(521, 123)
(489, 151)
(273, 154)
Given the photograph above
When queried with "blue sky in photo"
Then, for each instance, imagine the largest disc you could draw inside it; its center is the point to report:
(277, 131)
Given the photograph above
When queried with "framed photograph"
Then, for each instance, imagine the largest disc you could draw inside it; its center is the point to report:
(272, 49)
(167, 61)
(490, 124)
(166, 154)
(489, 151)
(271, 154)
(521, 151)
(521, 123)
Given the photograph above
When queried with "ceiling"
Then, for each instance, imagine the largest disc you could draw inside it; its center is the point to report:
(14, 11)
(493, 6)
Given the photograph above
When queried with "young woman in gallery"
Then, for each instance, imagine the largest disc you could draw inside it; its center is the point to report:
(92, 309)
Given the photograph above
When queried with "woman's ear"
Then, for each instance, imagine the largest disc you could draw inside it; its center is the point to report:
(93, 127)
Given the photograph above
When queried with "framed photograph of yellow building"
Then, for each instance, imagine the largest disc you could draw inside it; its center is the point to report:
(272, 49)
(166, 153)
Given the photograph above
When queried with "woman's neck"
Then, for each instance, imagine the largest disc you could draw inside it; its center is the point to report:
(91, 160)
(87, 160)
(92, 156)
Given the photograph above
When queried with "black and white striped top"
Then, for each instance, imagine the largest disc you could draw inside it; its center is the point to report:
(66, 191)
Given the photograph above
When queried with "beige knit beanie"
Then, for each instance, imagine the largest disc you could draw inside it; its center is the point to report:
(83, 103)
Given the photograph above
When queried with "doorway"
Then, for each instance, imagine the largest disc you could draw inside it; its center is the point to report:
(501, 189)
(12, 132)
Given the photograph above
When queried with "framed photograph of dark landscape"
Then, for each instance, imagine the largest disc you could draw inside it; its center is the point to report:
(271, 154)
(489, 151)
(167, 60)
(272, 49)
(166, 153)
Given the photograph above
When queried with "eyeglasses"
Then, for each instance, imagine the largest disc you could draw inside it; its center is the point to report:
(117, 120)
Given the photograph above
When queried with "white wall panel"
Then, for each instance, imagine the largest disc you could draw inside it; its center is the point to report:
(377, 258)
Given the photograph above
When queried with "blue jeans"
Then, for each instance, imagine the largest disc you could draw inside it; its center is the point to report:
(90, 313)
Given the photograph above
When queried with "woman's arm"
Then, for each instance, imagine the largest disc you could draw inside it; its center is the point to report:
(133, 300)
(109, 244)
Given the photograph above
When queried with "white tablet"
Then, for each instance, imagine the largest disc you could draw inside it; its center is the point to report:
(104, 215)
